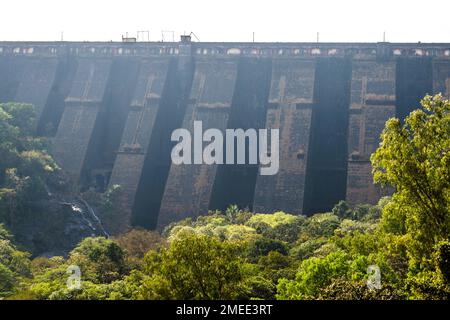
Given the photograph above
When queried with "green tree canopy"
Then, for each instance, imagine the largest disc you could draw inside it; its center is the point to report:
(414, 158)
(24, 162)
(101, 260)
(193, 267)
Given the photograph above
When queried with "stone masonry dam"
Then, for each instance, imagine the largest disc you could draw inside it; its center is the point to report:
(110, 108)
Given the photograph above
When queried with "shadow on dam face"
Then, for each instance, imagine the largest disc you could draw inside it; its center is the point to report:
(54, 107)
(326, 172)
(414, 80)
(174, 100)
(9, 78)
(235, 184)
(110, 123)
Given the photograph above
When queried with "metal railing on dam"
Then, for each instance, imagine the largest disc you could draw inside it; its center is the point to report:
(249, 49)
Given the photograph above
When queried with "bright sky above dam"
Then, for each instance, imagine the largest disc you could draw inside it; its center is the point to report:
(227, 20)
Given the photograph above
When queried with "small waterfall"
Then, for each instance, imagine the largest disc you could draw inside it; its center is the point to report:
(92, 216)
(96, 218)
(76, 208)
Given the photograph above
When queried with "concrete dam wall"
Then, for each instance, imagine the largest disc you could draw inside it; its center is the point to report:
(110, 109)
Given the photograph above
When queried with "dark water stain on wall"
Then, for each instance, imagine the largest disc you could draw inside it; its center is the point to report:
(235, 183)
(54, 107)
(158, 161)
(326, 172)
(110, 123)
(9, 78)
(414, 79)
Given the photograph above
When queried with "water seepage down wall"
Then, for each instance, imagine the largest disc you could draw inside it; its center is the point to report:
(110, 109)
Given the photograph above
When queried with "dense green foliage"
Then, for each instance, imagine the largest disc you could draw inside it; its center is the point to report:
(14, 264)
(239, 256)
(242, 255)
(25, 165)
(415, 159)
(215, 257)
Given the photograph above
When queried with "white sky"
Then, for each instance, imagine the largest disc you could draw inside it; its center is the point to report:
(227, 20)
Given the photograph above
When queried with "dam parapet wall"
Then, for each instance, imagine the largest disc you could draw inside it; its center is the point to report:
(249, 49)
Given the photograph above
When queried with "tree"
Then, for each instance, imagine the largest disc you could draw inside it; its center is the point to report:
(17, 261)
(275, 266)
(14, 264)
(414, 158)
(101, 260)
(443, 260)
(319, 225)
(4, 233)
(313, 275)
(137, 242)
(193, 267)
(19, 149)
(7, 281)
(25, 165)
(343, 289)
(342, 210)
(263, 246)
